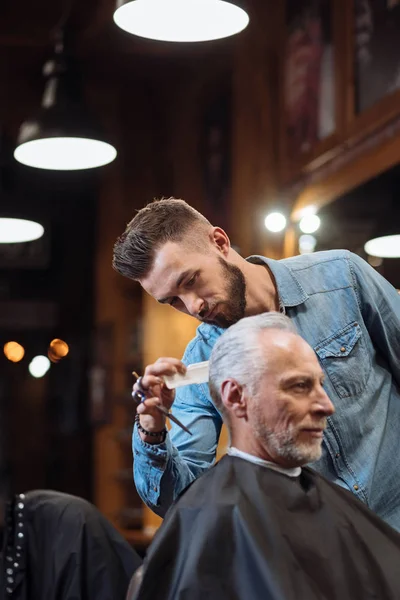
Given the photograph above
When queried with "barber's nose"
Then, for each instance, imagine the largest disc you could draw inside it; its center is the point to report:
(195, 305)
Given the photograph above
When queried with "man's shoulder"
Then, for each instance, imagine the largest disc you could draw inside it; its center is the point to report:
(316, 259)
(200, 347)
(320, 271)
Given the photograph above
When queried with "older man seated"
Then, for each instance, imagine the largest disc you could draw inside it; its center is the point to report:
(260, 525)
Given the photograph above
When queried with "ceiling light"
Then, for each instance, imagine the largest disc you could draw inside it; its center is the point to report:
(65, 153)
(181, 20)
(275, 222)
(61, 137)
(310, 223)
(39, 366)
(13, 231)
(387, 246)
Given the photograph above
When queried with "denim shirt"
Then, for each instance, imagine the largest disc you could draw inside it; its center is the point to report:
(350, 316)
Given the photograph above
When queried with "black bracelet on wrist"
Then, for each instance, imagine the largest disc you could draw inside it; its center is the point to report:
(159, 434)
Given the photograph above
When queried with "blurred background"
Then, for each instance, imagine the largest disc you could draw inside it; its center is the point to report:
(286, 134)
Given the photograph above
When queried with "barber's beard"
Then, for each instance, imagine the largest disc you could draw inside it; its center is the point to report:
(234, 308)
(285, 444)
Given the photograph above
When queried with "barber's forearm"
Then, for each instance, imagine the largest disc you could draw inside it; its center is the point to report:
(159, 473)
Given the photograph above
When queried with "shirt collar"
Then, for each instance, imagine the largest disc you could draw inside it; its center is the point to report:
(294, 472)
(290, 291)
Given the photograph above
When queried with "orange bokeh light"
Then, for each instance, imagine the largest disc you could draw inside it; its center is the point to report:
(14, 351)
(58, 349)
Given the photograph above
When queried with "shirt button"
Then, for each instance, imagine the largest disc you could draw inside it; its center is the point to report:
(155, 489)
(337, 455)
(355, 487)
(342, 349)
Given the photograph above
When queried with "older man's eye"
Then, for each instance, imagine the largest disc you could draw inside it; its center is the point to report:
(301, 385)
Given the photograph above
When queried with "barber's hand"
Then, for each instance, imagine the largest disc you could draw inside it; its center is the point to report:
(157, 393)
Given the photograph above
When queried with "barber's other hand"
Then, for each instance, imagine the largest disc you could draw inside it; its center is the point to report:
(157, 392)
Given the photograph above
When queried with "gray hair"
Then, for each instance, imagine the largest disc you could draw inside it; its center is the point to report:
(237, 353)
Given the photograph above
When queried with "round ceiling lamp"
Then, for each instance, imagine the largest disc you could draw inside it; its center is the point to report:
(16, 231)
(13, 228)
(387, 246)
(181, 20)
(65, 153)
(61, 137)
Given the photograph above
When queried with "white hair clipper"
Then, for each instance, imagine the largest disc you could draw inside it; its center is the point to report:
(196, 373)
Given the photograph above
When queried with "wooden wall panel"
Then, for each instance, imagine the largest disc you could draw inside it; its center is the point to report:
(255, 136)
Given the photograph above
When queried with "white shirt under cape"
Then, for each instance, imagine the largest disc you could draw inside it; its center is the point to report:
(294, 472)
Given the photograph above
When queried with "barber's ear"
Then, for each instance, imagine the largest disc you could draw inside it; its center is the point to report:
(234, 398)
(220, 240)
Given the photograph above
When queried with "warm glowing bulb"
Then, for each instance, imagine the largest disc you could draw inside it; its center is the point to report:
(39, 366)
(58, 349)
(310, 223)
(275, 222)
(14, 351)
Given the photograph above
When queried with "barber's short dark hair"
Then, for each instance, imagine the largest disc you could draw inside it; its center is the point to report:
(163, 220)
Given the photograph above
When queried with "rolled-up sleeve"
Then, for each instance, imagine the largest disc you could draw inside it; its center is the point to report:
(163, 471)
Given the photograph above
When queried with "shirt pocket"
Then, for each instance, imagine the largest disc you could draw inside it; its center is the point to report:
(344, 358)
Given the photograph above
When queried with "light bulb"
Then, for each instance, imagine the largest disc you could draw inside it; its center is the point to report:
(14, 351)
(307, 243)
(310, 223)
(39, 366)
(275, 222)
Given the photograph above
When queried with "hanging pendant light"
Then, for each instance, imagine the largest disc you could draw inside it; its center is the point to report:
(13, 230)
(62, 138)
(181, 20)
(387, 246)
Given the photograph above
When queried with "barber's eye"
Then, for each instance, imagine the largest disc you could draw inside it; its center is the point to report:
(191, 281)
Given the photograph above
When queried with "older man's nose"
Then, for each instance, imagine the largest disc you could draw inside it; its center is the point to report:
(323, 403)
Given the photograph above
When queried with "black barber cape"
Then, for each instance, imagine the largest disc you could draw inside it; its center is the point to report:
(245, 532)
(60, 547)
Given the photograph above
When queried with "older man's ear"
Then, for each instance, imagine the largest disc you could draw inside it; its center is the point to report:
(234, 398)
